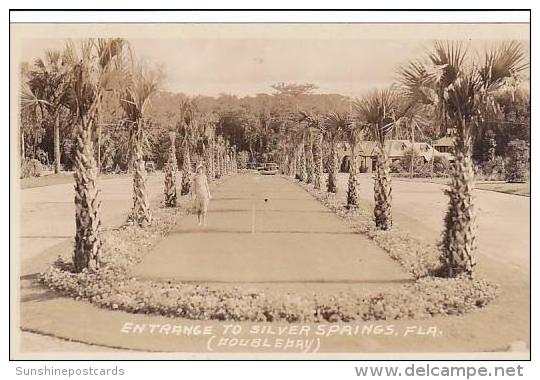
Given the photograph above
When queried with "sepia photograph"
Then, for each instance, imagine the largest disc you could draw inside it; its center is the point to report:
(270, 190)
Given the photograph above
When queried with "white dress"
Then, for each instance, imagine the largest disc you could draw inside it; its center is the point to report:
(202, 193)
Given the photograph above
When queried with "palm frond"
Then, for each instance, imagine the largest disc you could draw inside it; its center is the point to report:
(379, 110)
(502, 63)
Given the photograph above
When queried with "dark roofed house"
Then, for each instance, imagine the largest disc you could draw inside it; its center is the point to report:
(445, 146)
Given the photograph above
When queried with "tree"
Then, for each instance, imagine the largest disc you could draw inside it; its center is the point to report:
(353, 132)
(518, 161)
(92, 70)
(489, 145)
(294, 89)
(316, 125)
(141, 84)
(48, 81)
(31, 118)
(208, 133)
(188, 130)
(464, 95)
(335, 123)
(379, 110)
(170, 174)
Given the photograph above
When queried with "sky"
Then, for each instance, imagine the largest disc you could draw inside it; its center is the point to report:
(247, 59)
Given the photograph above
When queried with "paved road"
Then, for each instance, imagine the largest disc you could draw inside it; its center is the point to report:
(419, 207)
(267, 230)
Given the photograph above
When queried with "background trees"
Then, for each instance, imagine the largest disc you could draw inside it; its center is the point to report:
(47, 81)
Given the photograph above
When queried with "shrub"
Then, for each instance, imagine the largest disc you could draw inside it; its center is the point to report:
(112, 288)
(441, 166)
(493, 170)
(397, 168)
(518, 161)
(31, 168)
(242, 159)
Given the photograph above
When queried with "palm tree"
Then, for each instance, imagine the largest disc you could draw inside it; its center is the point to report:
(135, 97)
(208, 132)
(378, 110)
(335, 123)
(412, 120)
(353, 132)
(48, 81)
(93, 69)
(463, 94)
(187, 126)
(316, 127)
(171, 168)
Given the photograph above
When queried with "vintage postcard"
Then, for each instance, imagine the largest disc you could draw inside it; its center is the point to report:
(281, 190)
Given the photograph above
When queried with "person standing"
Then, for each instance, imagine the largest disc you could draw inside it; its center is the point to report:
(201, 193)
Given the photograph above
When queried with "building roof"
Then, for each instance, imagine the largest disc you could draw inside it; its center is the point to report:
(448, 141)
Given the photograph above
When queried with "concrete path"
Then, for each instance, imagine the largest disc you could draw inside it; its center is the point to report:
(267, 230)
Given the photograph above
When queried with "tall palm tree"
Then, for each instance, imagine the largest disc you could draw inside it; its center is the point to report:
(48, 81)
(135, 98)
(335, 123)
(378, 110)
(463, 93)
(93, 69)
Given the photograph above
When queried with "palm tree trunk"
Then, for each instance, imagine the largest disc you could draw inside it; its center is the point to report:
(57, 143)
(331, 184)
(318, 161)
(140, 212)
(293, 161)
(301, 166)
(208, 158)
(382, 191)
(23, 146)
(170, 176)
(352, 191)
(459, 236)
(186, 171)
(217, 160)
(88, 242)
(309, 160)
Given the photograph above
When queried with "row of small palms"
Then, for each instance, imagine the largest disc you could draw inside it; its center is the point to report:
(81, 76)
(447, 87)
(198, 132)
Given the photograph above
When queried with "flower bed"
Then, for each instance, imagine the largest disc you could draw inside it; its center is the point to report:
(114, 288)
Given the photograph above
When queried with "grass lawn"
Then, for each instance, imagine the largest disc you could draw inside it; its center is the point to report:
(57, 179)
(523, 189)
